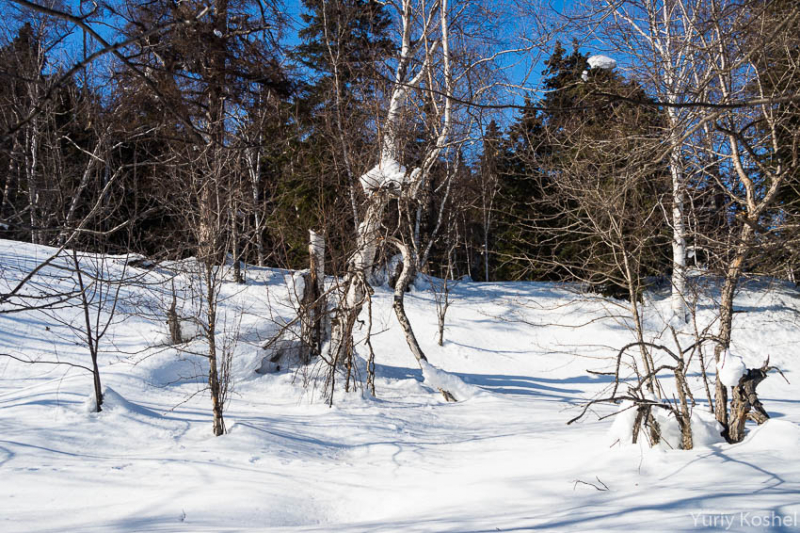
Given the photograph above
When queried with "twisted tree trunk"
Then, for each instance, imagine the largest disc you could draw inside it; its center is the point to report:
(398, 303)
(389, 179)
(745, 403)
(355, 281)
(741, 253)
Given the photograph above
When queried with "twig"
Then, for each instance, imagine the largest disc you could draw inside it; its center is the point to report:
(604, 489)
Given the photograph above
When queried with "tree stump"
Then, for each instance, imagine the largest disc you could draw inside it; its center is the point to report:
(745, 403)
(312, 304)
(174, 321)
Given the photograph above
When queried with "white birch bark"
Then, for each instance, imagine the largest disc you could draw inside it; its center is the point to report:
(661, 36)
(253, 158)
(91, 164)
(368, 233)
(678, 282)
(31, 162)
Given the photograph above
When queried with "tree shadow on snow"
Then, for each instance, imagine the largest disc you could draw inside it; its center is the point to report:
(550, 388)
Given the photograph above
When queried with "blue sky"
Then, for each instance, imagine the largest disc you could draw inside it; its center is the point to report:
(292, 8)
(518, 66)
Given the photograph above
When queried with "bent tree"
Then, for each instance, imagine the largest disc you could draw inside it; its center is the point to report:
(423, 64)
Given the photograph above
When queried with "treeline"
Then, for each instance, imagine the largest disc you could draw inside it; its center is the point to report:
(296, 127)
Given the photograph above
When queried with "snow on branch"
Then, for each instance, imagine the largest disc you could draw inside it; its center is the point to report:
(602, 62)
(386, 174)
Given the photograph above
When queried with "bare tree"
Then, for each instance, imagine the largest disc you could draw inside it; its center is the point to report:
(424, 37)
(442, 290)
(644, 403)
(761, 157)
(313, 305)
(705, 64)
(659, 41)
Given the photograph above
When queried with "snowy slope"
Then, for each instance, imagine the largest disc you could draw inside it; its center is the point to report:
(501, 460)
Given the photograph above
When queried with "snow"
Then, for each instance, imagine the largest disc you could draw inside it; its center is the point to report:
(706, 431)
(190, 328)
(598, 62)
(116, 404)
(621, 430)
(444, 381)
(387, 173)
(730, 369)
(296, 283)
(601, 62)
(503, 458)
(773, 435)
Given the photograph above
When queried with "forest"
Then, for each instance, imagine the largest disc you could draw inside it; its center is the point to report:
(584, 214)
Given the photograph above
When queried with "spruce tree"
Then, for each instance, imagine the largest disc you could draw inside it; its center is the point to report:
(343, 41)
(544, 229)
(599, 142)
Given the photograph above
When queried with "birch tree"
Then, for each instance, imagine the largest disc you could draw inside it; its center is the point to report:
(761, 149)
(659, 38)
(423, 63)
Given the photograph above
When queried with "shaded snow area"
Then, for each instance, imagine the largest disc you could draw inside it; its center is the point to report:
(502, 458)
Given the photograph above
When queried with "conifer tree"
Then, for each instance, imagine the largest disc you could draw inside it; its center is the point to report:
(343, 41)
(556, 158)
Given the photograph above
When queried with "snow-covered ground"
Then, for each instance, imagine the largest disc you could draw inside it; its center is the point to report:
(501, 459)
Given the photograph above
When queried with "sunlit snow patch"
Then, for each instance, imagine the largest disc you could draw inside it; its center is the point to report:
(601, 61)
(730, 369)
(441, 380)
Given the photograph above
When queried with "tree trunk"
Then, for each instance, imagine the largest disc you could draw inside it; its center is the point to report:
(678, 298)
(98, 387)
(355, 282)
(236, 252)
(312, 307)
(684, 415)
(745, 403)
(214, 384)
(253, 159)
(174, 320)
(356, 287)
(440, 335)
(742, 250)
(644, 416)
(14, 157)
(399, 300)
(631, 278)
(31, 161)
(76, 197)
